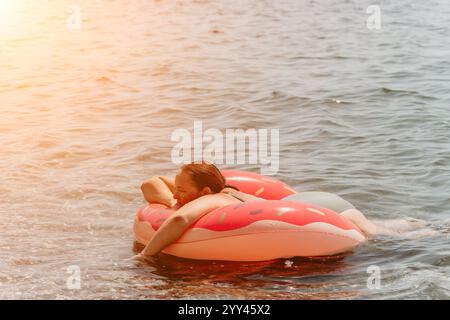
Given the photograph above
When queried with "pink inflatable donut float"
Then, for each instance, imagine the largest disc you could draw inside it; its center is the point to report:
(258, 185)
(255, 231)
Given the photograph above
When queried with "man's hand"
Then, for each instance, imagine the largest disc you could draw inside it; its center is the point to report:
(142, 258)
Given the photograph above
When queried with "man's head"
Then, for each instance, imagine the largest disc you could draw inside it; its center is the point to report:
(197, 179)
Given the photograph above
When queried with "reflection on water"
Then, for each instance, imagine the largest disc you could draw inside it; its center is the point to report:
(86, 115)
(295, 278)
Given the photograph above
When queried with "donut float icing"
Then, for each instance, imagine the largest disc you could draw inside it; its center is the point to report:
(258, 185)
(256, 231)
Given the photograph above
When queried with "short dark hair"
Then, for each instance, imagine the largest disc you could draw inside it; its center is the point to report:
(205, 174)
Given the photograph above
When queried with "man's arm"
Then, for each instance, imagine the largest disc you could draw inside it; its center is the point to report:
(172, 229)
(159, 189)
(170, 183)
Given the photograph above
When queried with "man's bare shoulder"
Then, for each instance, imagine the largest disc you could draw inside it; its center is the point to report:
(217, 198)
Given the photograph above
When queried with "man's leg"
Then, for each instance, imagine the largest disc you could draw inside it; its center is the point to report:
(360, 221)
